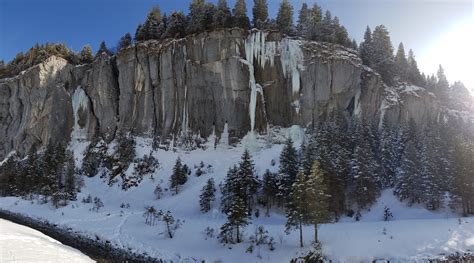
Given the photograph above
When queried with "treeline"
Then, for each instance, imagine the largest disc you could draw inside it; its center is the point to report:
(205, 16)
(342, 169)
(202, 16)
(46, 176)
(39, 53)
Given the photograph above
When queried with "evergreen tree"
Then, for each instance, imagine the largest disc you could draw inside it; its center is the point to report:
(230, 189)
(177, 176)
(71, 185)
(297, 212)
(314, 27)
(366, 48)
(260, 13)
(207, 196)
(269, 189)
(151, 25)
(388, 152)
(124, 42)
(170, 223)
(304, 19)
(317, 198)
(140, 33)
(414, 75)
(288, 168)
(237, 218)
(248, 181)
(285, 17)
(196, 17)
(409, 185)
(401, 63)
(222, 17)
(462, 192)
(240, 15)
(382, 54)
(364, 172)
(85, 56)
(103, 49)
(176, 27)
(442, 86)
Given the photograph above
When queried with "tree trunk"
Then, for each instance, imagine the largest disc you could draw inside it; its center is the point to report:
(315, 233)
(301, 235)
(238, 236)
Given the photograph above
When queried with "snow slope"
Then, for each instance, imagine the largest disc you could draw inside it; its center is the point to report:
(23, 244)
(416, 233)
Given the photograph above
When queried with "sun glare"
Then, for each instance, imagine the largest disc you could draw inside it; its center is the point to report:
(455, 52)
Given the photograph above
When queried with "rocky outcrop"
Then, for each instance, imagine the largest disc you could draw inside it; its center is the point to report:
(242, 80)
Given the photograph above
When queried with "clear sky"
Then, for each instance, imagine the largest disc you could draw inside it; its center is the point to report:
(439, 31)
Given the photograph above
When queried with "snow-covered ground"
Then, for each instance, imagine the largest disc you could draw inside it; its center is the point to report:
(23, 244)
(415, 232)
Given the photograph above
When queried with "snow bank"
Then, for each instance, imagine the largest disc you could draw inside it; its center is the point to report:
(23, 244)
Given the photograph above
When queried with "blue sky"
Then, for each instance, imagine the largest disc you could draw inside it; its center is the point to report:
(419, 24)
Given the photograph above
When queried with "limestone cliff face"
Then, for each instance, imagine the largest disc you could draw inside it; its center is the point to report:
(248, 80)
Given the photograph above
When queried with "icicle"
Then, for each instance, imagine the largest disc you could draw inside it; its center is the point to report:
(291, 59)
(184, 124)
(225, 135)
(79, 101)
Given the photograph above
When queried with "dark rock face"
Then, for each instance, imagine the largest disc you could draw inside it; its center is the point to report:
(247, 79)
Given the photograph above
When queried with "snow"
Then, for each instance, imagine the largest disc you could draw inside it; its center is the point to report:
(416, 232)
(23, 244)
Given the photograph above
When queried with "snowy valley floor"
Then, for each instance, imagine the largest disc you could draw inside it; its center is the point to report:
(413, 234)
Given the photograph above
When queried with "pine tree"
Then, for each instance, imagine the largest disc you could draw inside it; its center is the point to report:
(463, 182)
(140, 33)
(364, 172)
(285, 17)
(177, 176)
(382, 54)
(196, 17)
(124, 42)
(366, 48)
(409, 185)
(151, 25)
(414, 75)
(314, 28)
(85, 56)
(304, 19)
(260, 13)
(249, 182)
(240, 15)
(207, 196)
(176, 27)
(237, 218)
(222, 17)
(401, 63)
(388, 152)
(442, 86)
(288, 168)
(170, 223)
(317, 198)
(103, 49)
(297, 212)
(71, 185)
(230, 189)
(269, 189)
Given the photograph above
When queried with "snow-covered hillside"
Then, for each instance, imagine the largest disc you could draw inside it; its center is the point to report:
(414, 233)
(23, 244)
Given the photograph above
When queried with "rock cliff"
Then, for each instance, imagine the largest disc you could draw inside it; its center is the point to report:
(245, 79)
